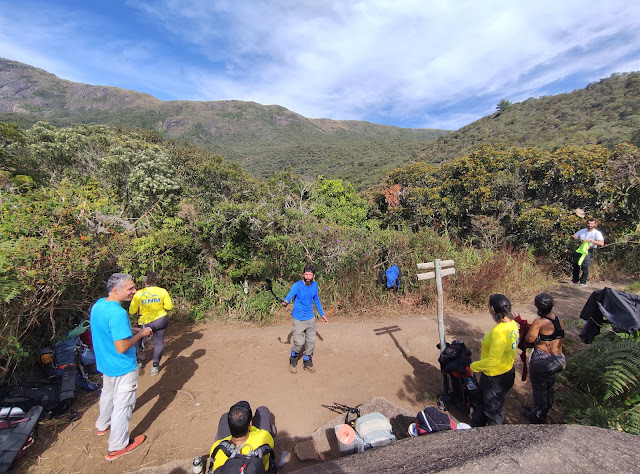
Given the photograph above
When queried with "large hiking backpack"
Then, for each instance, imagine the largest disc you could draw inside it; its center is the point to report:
(250, 463)
(375, 430)
(455, 359)
(54, 396)
(69, 352)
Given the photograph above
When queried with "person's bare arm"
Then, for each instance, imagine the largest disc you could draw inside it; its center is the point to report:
(123, 345)
(533, 332)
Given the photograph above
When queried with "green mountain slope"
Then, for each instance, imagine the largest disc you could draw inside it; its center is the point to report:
(606, 112)
(263, 139)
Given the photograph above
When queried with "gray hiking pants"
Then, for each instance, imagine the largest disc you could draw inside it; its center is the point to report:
(117, 400)
(304, 336)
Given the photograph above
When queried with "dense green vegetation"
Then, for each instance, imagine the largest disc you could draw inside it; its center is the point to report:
(522, 197)
(604, 383)
(605, 113)
(83, 201)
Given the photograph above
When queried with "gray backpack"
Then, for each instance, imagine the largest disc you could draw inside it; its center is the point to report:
(375, 430)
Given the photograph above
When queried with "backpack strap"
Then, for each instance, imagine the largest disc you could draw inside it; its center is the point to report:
(352, 422)
(261, 452)
(227, 447)
(231, 450)
(10, 423)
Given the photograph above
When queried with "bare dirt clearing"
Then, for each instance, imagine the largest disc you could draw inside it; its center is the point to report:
(208, 367)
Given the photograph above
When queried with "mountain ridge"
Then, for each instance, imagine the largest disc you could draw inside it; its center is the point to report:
(264, 139)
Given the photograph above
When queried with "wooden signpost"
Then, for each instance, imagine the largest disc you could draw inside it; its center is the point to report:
(441, 268)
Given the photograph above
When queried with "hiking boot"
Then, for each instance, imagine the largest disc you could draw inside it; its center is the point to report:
(293, 369)
(533, 415)
(582, 284)
(133, 444)
(155, 370)
(309, 368)
(526, 411)
(104, 432)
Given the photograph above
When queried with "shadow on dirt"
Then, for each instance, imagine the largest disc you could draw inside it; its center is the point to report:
(425, 381)
(175, 372)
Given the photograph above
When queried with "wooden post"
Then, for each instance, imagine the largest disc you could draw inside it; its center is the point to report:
(440, 304)
(440, 269)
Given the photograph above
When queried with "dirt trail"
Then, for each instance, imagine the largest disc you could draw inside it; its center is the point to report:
(208, 367)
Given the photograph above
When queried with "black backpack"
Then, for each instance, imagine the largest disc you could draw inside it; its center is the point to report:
(432, 420)
(456, 357)
(237, 462)
(54, 396)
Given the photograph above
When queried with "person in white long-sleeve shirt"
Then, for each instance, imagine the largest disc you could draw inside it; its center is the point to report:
(595, 239)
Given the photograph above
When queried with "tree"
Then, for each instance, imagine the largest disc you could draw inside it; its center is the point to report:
(503, 105)
(339, 202)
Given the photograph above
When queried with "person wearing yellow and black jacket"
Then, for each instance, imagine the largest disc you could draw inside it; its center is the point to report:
(244, 437)
(153, 302)
(496, 363)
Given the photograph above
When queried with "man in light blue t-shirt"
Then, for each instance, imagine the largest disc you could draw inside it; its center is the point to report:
(305, 293)
(114, 344)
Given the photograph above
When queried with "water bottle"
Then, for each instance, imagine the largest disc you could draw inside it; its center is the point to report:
(471, 385)
(197, 465)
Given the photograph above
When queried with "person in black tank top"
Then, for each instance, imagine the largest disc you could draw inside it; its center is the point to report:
(546, 359)
(558, 332)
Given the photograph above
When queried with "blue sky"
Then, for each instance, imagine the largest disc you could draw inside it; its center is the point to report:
(407, 63)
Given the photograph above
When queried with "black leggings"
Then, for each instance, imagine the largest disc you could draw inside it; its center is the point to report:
(543, 368)
(494, 389)
(159, 326)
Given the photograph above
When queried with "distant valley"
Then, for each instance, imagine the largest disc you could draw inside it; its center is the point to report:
(264, 139)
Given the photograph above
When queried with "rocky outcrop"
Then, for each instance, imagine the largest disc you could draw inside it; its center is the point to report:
(495, 449)
(499, 449)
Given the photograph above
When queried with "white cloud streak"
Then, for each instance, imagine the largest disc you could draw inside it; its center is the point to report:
(422, 63)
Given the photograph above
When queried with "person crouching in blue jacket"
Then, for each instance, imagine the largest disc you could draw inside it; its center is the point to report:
(305, 294)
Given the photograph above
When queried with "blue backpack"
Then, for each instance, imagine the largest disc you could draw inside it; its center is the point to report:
(394, 277)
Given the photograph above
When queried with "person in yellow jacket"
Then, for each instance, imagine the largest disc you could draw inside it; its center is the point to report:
(243, 429)
(496, 363)
(153, 302)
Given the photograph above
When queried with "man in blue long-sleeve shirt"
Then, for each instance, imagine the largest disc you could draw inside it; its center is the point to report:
(305, 293)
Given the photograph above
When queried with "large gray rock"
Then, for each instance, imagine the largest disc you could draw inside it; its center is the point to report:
(495, 449)
(499, 449)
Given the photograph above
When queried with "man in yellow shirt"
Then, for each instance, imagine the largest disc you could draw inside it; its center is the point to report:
(240, 429)
(496, 363)
(153, 302)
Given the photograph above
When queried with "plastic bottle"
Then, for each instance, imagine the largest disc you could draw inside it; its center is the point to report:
(471, 385)
(197, 465)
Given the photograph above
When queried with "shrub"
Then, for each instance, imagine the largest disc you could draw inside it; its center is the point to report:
(606, 377)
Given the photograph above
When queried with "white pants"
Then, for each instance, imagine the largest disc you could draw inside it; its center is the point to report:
(117, 400)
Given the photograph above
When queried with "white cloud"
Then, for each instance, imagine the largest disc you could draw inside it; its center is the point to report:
(399, 59)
